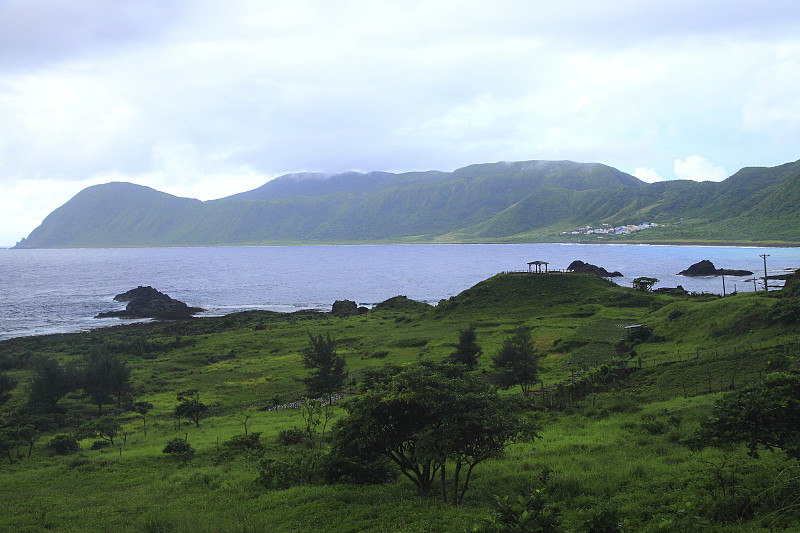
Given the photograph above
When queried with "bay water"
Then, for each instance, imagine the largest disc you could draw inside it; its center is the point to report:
(56, 291)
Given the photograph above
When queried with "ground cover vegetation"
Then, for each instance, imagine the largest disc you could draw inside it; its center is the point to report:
(557, 402)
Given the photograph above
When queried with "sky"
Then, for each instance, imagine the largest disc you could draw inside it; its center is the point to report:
(207, 98)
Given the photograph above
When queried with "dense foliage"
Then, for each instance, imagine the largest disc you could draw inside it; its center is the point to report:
(426, 417)
(762, 415)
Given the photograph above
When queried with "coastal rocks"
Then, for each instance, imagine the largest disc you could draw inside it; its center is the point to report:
(586, 268)
(707, 268)
(147, 302)
(347, 308)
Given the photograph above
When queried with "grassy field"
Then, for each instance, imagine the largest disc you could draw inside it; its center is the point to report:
(618, 445)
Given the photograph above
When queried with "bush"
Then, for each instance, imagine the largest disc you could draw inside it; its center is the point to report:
(279, 474)
(602, 520)
(64, 445)
(786, 311)
(525, 514)
(244, 443)
(344, 468)
(292, 437)
(100, 445)
(251, 441)
(180, 449)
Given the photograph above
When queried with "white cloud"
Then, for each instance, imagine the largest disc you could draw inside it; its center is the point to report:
(648, 175)
(697, 168)
(198, 97)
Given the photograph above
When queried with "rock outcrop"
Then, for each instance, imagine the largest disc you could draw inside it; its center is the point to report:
(147, 302)
(707, 268)
(347, 308)
(580, 266)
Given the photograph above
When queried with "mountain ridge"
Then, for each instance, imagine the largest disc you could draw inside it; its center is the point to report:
(523, 201)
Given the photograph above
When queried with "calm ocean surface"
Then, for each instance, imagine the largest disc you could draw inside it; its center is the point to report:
(51, 291)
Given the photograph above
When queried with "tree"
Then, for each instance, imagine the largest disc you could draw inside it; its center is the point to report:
(6, 386)
(7, 442)
(142, 408)
(467, 351)
(106, 427)
(644, 284)
(327, 367)
(104, 375)
(761, 415)
(50, 384)
(517, 362)
(190, 406)
(426, 416)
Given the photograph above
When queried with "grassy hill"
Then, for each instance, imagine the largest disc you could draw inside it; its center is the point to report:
(613, 412)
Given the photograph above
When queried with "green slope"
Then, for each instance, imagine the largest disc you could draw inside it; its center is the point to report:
(522, 201)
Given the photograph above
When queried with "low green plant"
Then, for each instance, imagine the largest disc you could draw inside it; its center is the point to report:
(64, 445)
(179, 449)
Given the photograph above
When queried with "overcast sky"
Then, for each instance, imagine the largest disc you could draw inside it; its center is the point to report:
(205, 98)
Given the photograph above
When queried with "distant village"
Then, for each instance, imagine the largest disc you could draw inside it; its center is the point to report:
(607, 229)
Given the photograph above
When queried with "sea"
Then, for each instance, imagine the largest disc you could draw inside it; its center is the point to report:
(60, 291)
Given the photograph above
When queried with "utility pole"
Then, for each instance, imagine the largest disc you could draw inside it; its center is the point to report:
(766, 286)
(723, 285)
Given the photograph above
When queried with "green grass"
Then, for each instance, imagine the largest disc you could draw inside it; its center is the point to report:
(621, 445)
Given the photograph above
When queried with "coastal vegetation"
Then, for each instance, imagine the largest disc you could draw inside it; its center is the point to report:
(528, 201)
(529, 402)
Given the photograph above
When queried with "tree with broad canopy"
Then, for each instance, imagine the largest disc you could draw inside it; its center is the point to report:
(427, 416)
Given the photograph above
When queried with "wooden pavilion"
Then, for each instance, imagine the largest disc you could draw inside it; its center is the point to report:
(538, 267)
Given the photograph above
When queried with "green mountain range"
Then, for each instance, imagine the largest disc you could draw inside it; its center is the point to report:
(529, 201)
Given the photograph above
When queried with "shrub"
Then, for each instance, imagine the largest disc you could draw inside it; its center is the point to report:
(64, 445)
(280, 474)
(244, 443)
(292, 437)
(180, 449)
(602, 520)
(100, 444)
(524, 514)
(786, 311)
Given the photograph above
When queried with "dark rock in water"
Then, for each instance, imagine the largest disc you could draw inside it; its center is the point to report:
(347, 308)
(707, 268)
(147, 302)
(580, 266)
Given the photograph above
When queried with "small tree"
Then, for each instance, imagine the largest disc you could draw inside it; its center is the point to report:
(104, 376)
(106, 427)
(467, 351)
(644, 284)
(49, 386)
(7, 442)
(517, 362)
(27, 434)
(190, 406)
(327, 367)
(142, 408)
(761, 415)
(6, 386)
